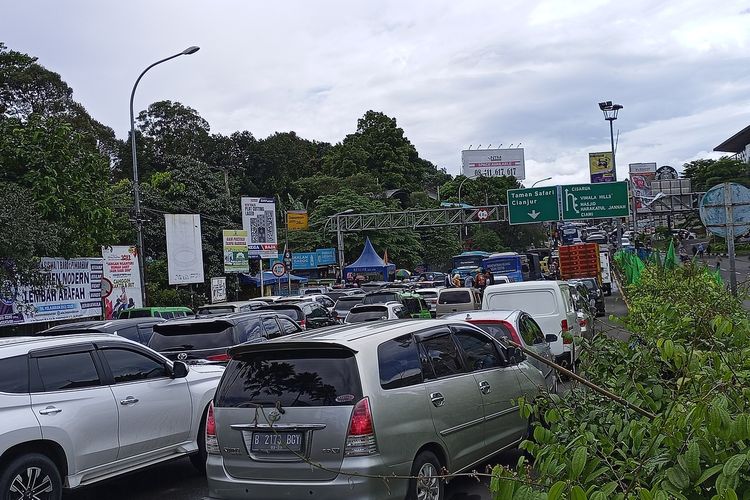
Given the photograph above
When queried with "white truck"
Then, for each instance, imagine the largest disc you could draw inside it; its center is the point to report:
(606, 274)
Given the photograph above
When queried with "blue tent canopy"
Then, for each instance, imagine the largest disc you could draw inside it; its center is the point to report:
(268, 279)
(369, 262)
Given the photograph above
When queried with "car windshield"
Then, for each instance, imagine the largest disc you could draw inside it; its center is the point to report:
(192, 336)
(380, 298)
(346, 303)
(290, 378)
(364, 314)
(454, 297)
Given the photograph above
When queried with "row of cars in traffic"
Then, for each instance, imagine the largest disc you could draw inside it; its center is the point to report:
(271, 404)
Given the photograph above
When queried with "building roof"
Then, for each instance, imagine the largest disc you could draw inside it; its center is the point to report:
(736, 143)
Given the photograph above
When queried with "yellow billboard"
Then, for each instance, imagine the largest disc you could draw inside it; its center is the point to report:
(296, 220)
(601, 167)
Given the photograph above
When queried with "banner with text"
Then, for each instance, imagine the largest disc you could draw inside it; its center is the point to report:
(184, 249)
(641, 177)
(67, 289)
(121, 268)
(297, 220)
(601, 167)
(494, 163)
(259, 220)
(235, 251)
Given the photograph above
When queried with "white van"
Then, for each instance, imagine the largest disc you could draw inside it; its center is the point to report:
(549, 303)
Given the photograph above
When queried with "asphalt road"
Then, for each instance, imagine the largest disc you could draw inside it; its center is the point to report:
(178, 480)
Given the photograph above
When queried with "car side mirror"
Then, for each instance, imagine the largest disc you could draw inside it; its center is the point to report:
(550, 338)
(179, 370)
(515, 355)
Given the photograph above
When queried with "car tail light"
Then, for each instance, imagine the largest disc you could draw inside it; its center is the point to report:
(360, 440)
(564, 325)
(582, 322)
(303, 324)
(219, 357)
(212, 444)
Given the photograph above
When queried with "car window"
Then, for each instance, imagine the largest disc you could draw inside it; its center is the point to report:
(441, 357)
(318, 311)
(293, 312)
(249, 330)
(191, 335)
(479, 350)
(346, 303)
(541, 302)
(536, 331)
(288, 326)
(498, 330)
(526, 333)
(567, 299)
(325, 301)
(68, 371)
(271, 327)
(130, 333)
(412, 305)
(363, 314)
(380, 298)
(130, 366)
(145, 331)
(14, 375)
(398, 363)
(454, 297)
(167, 314)
(401, 312)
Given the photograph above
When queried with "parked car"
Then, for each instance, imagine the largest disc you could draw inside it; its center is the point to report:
(402, 398)
(307, 313)
(413, 302)
(321, 299)
(156, 312)
(135, 329)
(314, 290)
(585, 308)
(337, 293)
(451, 300)
(207, 339)
(550, 304)
(79, 409)
(344, 305)
(430, 296)
(521, 329)
(596, 293)
(230, 307)
(376, 312)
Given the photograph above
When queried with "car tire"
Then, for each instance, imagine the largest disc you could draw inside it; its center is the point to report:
(31, 472)
(199, 458)
(426, 464)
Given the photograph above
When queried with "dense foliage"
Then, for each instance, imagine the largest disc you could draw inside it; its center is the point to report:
(687, 362)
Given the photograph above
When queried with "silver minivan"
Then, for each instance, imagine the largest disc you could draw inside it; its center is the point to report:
(347, 412)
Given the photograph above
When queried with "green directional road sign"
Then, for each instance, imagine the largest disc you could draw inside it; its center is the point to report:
(595, 201)
(527, 206)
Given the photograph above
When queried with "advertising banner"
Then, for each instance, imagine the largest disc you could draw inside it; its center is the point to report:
(641, 177)
(218, 290)
(601, 167)
(67, 289)
(184, 249)
(300, 260)
(494, 163)
(259, 220)
(121, 269)
(235, 251)
(326, 256)
(297, 220)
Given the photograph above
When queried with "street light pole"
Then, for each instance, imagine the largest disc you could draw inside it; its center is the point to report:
(136, 185)
(541, 180)
(610, 114)
(340, 239)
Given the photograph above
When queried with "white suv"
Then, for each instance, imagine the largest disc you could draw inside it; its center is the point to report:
(81, 408)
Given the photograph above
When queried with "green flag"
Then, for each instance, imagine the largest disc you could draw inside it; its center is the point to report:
(670, 261)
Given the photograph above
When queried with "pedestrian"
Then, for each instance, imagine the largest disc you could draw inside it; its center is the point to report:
(489, 279)
(718, 263)
(469, 281)
(701, 250)
(448, 281)
(481, 281)
(456, 280)
(695, 251)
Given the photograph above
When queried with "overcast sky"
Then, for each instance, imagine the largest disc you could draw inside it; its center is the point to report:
(453, 73)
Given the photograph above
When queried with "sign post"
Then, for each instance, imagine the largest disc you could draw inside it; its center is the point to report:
(595, 201)
(528, 206)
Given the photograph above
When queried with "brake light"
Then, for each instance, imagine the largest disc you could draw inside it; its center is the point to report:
(219, 357)
(212, 444)
(582, 322)
(302, 324)
(360, 440)
(564, 325)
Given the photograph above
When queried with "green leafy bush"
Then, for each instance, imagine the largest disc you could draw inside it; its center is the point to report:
(688, 362)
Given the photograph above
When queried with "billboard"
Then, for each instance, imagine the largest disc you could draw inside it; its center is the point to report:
(297, 220)
(259, 220)
(601, 167)
(184, 248)
(494, 163)
(218, 290)
(67, 289)
(121, 268)
(235, 251)
(326, 256)
(641, 177)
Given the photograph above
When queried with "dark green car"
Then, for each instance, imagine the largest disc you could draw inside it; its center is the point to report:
(414, 303)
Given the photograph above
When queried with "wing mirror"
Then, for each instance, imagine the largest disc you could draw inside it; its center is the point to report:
(550, 338)
(179, 370)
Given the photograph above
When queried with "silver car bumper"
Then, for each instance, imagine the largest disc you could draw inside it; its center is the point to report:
(222, 486)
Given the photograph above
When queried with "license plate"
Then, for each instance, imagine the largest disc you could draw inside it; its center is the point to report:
(276, 441)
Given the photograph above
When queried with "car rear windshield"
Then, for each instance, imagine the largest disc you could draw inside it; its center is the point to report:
(364, 314)
(291, 378)
(192, 336)
(346, 304)
(380, 298)
(455, 297)
(216, 310)
(534, 302)
(428, 295)
(292, 312)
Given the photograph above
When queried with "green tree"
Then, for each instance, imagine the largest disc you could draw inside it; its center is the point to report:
(705, 174)
(439, 246)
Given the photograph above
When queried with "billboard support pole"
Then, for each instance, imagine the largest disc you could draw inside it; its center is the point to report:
(729, 208)
(262, 280)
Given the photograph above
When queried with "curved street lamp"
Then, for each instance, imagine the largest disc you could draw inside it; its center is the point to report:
(136, 185)
(541, 180)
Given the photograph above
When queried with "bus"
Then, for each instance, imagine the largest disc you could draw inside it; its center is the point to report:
(469, 259)
(509, 264)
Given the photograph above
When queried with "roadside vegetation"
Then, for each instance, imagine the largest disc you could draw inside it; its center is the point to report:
(688, 362)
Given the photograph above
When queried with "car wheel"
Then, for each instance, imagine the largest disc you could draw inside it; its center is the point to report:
(428, 486)
(31, 476)
(199, 459)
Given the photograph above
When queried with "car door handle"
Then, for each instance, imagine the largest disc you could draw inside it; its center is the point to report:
(437, 399)
(130, 400)
(485, 387)
(50, 410)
